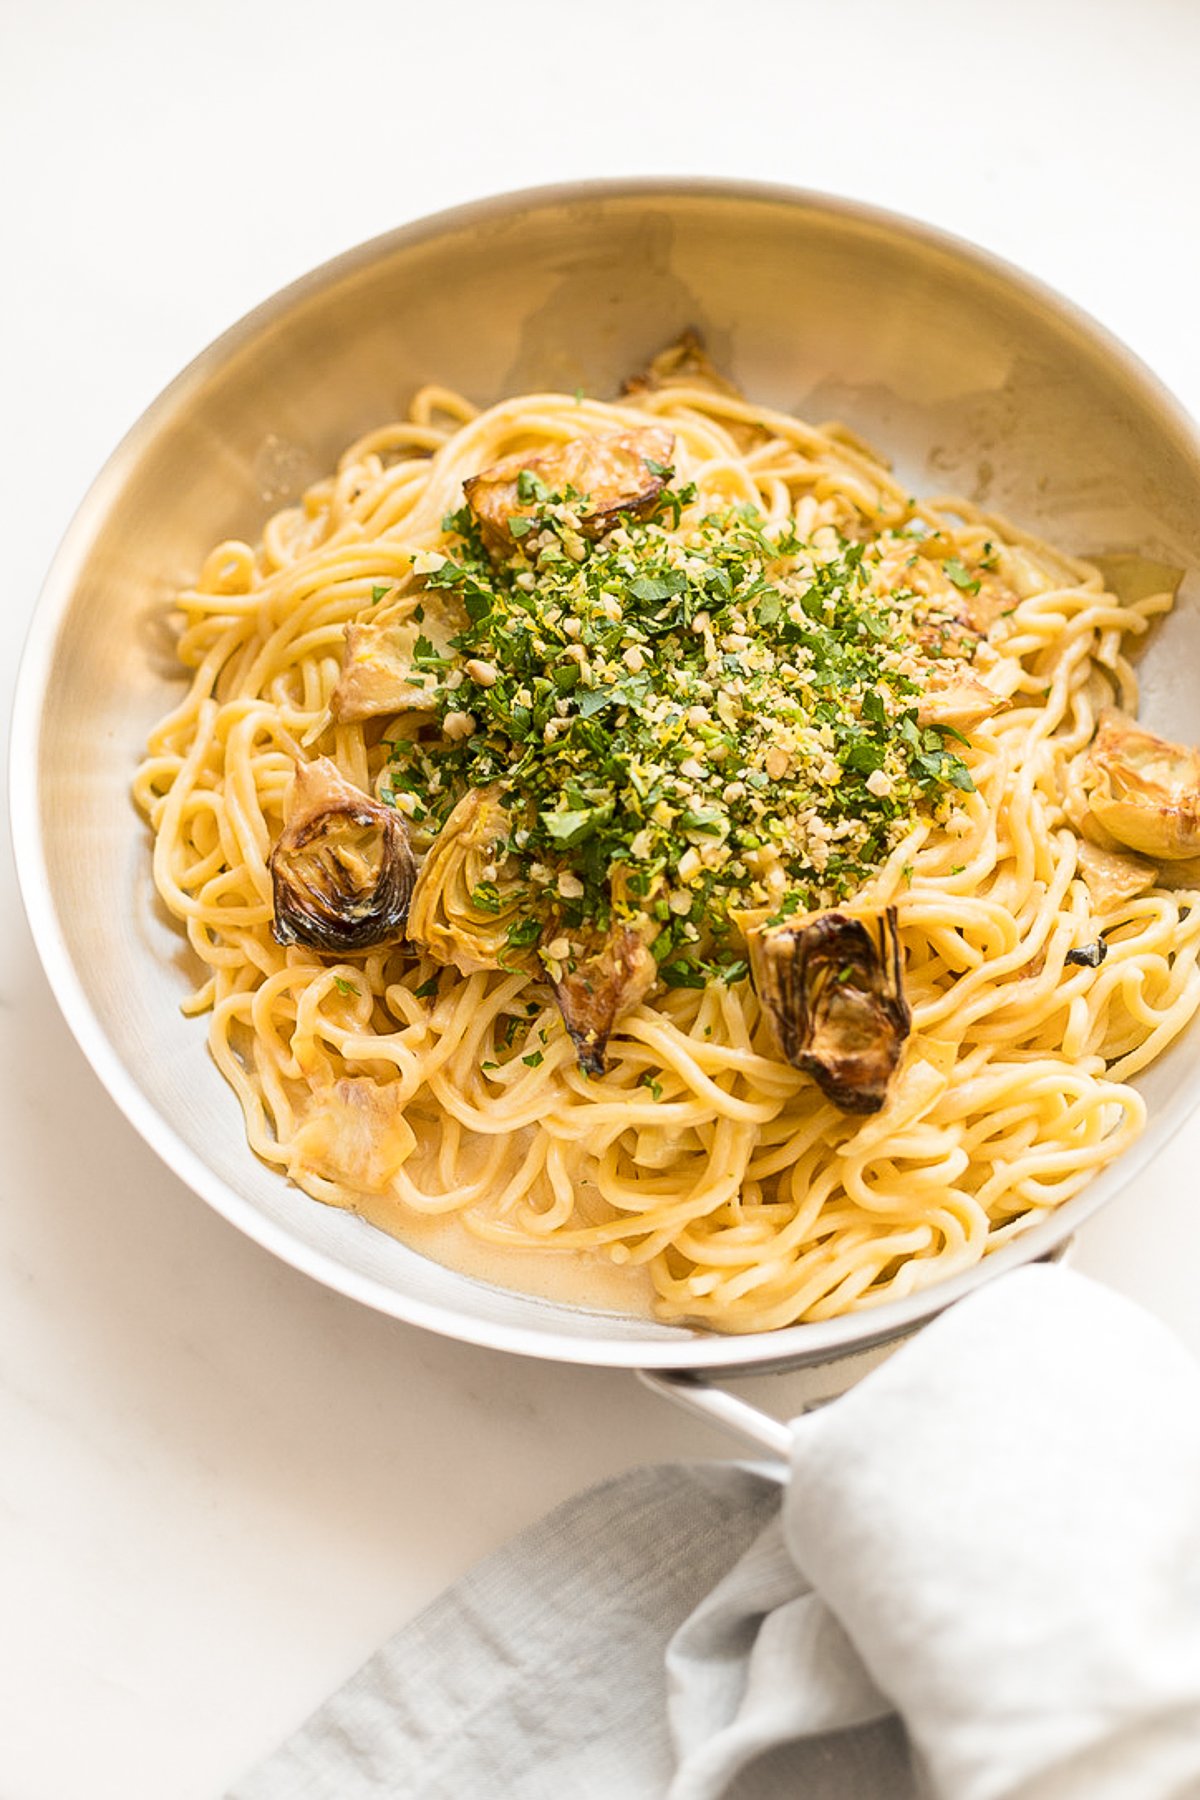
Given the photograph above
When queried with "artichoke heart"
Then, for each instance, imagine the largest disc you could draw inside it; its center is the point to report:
(835, 999)
(1142, 791)
(342, 871)
(958, 699)
(354, 1132)
(380, 672)
(603, 984)
(468, 908)
(613, 471)
(1111, 877)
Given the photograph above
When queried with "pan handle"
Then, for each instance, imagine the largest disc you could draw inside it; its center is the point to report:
(696, 1395)
(689, 1389)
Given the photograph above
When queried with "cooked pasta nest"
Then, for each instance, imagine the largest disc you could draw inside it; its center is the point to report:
(582, 1015)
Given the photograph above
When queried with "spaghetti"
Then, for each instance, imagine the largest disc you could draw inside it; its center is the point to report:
(913, 746)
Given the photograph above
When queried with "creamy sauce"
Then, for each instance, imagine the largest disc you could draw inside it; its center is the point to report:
(579, 1278)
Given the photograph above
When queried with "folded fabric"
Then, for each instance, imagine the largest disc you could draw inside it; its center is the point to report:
(997, 1535)
(983, 1583)
(539, 1675)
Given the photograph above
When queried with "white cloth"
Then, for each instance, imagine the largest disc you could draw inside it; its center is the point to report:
(984, 1584)
(997, 1535)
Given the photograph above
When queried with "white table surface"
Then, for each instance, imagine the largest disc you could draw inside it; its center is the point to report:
(221, 1486)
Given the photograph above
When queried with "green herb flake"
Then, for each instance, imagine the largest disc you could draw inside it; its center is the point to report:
(569, 828)
(530, 487)
(960, 576)
(682, 975)
(522, 933)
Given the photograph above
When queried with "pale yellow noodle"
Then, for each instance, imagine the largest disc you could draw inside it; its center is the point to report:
(748, 1197)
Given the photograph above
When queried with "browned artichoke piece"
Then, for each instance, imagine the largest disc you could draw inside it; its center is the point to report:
(993, 600)
(378, 674)
(1111, 877)
(613, 471)
(602, 987)
(956, 697)
(685, 363)
(836, 1001)
(342, 870)
(1143, 791)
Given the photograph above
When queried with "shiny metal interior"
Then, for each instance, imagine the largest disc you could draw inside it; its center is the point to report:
(974, 378)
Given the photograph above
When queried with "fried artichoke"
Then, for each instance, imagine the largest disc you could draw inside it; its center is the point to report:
(380, 674)
(353, 1133)
(342, 871)
(1111, 877)
(467, 905)
(835, 999)
(612, 471)
(1142, 791)
(604, 984)
(958, 699)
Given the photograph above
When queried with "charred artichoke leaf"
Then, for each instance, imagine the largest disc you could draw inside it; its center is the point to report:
(379, 674)
(1143, 791)
(612, 470)
(958, 698)
(468, 896)
(607, 981)
(834, 995)
(342, 871)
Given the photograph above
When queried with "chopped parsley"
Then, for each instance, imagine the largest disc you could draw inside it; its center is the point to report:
(688, 715)
(960, 576)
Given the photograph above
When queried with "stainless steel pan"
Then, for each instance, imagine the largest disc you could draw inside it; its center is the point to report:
(973, 377)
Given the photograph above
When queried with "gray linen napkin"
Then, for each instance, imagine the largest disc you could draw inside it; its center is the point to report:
(983, 1583)
(539, 1675)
